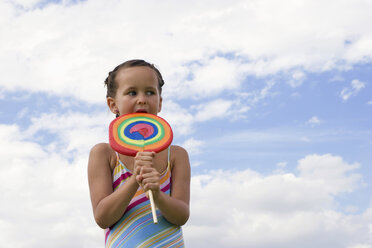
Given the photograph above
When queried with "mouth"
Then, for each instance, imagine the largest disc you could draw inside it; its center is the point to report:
(141, 111)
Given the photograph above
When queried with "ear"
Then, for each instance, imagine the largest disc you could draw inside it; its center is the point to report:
(160, 103)
(112, 105)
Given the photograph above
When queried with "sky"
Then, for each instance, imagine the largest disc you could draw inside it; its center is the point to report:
(272, 100)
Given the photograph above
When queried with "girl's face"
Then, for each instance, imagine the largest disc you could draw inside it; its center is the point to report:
(137, 91)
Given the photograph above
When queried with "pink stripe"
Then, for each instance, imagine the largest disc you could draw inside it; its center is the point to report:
(121, 178)
(132, 205)
(143, 199)
(166, 188)
(107, 234)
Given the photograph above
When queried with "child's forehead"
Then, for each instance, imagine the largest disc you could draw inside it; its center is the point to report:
(137, 75)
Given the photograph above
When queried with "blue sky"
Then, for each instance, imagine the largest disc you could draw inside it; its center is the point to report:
(273, 101)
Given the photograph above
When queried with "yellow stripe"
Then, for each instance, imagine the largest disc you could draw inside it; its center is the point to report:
(166, 233)
(139, 142)
(129, 221)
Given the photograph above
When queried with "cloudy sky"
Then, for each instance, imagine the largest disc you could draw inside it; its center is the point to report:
(272, 99)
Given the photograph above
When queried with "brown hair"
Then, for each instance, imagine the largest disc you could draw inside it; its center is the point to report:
(110, 80)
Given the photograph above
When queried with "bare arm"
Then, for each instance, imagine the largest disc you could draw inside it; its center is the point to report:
(108, 205)
(175, 208)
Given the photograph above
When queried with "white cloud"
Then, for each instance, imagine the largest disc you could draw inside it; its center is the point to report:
(230, 40)
(357, 85)
(282, 164)
(280, 168)
(45, 190)
(331, 171)
(255, 96)
(193, 146)
(22, 113)
(337, 78)
(305, 139)
(73, 132)
(179, 118)
(183, 120)
(361, 246)
(27, 3)
(248, 209)
(296, 79)
(214, 76)
(354, 89)
(361, 49)
(215, 109)
(314, 121)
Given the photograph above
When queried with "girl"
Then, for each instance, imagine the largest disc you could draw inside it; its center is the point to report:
(118, 183)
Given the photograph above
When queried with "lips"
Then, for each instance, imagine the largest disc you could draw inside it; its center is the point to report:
(141, 111)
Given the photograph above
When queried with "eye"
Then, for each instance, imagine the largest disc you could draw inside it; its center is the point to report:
(150, 93)
(132, 93)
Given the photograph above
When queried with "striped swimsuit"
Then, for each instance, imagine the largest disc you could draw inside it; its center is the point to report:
(136, 227)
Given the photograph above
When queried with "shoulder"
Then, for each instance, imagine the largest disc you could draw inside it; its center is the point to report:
(179, 156)
(181, 173)
(104, 153)
(178, 152)
(178, 149)
(100, 148)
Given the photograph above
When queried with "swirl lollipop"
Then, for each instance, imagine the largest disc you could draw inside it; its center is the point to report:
(131, 133)
(137, 132)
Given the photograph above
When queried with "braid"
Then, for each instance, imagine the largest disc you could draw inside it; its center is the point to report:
(110, 80)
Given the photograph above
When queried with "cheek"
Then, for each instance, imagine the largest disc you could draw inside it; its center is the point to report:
(123, 104)
(160, 104)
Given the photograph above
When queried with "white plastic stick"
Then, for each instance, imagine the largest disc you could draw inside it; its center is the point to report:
(151, 197)
(153, 208)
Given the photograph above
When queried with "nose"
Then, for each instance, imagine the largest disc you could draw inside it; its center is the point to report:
(141, 98)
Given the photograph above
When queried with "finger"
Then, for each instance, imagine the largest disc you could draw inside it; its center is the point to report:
(150, 178)
(139, 178)
(143, 164)
(144, 159)
(145, 155)
(137, 168)
(151, 186)
(147, 170)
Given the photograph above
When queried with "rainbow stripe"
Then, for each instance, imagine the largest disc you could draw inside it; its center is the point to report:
(136, 227)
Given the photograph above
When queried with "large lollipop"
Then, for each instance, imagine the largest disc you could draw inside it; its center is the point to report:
(132, 133)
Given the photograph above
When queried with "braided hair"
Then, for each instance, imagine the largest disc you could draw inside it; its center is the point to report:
(112, 86)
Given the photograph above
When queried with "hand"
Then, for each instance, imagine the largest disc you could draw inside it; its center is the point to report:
(150, 180)
(142, 159)
(146, 175)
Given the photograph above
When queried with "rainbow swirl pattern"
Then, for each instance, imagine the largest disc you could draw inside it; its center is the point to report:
(131, 133)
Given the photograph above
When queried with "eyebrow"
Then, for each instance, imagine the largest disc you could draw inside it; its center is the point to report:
(151, 87)
(130, 88)
(136, 88)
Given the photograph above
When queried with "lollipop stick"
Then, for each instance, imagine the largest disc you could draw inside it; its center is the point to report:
(151, 197)
(153, 210)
